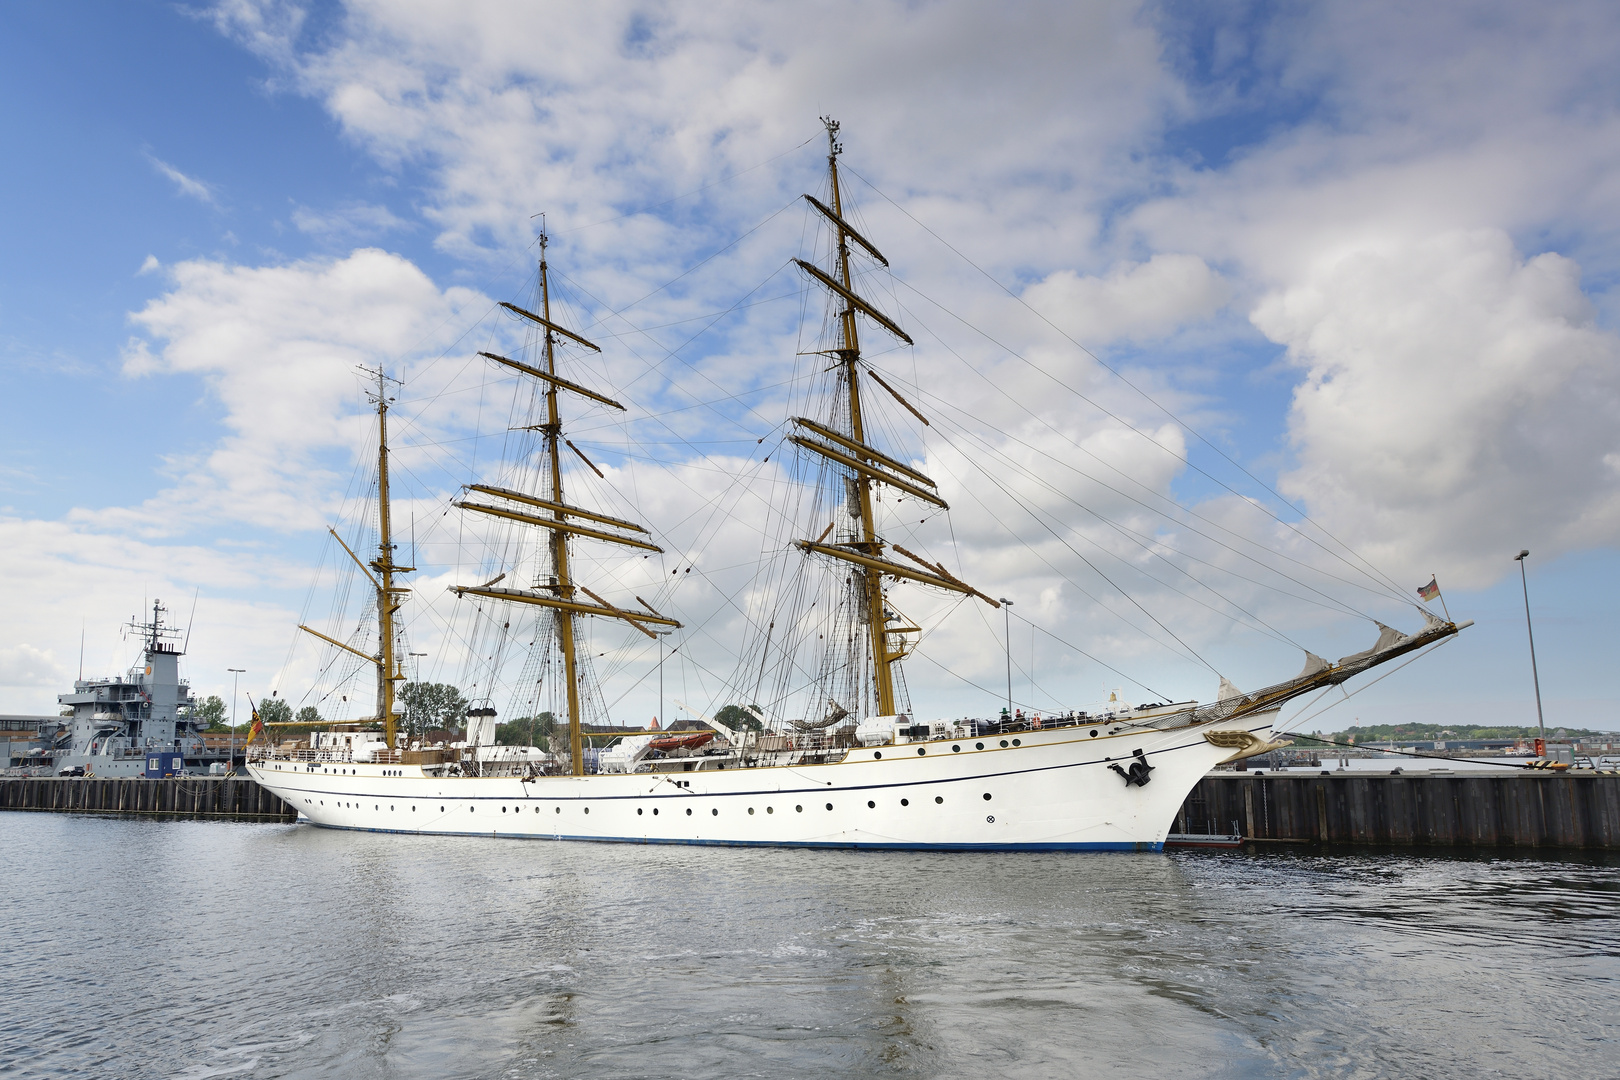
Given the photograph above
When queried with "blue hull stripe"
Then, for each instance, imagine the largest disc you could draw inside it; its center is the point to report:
(860, 845)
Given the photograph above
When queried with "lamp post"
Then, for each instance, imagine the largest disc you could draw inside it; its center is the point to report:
(662, 634)
(1541, 723)
(418, 679)
(236, 674)
(1006, 622)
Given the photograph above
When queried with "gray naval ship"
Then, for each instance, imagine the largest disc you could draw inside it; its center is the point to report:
(138, 724)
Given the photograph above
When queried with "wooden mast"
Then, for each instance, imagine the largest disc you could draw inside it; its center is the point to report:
(868, 465)
(388, 666)
(559, 594)
(562, 585)
(849, 353)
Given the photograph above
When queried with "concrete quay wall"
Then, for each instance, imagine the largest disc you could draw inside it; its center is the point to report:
(1515, 809)
(233, 798)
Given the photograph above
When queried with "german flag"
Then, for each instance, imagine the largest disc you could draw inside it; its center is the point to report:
(1430, 591)
(258, 725)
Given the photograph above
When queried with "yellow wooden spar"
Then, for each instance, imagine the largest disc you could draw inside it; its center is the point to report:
(560, 592)
(863, 450)
(558, 524)
(547, 504)
(564, 384)
(865, 464)
(872, 471)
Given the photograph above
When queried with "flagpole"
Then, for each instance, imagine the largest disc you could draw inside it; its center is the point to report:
(1436, 579)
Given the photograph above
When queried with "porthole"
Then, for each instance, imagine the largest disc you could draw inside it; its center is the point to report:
(390, 809)
(800, 809)
(638, 811)
(715, 812)
(871, 805)
(829, 806)
(503, 809)
(655, 811)
(472, 809)
(990, 818)
(688, 811)
(587, 809)
(1004, 744)
(877, 754)
(750, 809)
(978, 746)
(987, 796)
(537, 809)
(922, 750)
(559, 809)
(905, 802)
(1093, 733)
(441, 809)
(956, 749)
(1017, 743)
(939, 798)
(770, 809)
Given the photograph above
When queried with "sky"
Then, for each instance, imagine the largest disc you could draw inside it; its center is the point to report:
(1338, 281)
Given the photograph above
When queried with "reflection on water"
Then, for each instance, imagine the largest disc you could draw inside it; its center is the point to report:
(189, 949)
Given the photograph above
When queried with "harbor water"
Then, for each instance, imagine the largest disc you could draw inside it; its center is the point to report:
(147, 948)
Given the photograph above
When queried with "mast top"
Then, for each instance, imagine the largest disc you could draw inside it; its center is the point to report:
(379, 397)
(834, 147)
(152, 633)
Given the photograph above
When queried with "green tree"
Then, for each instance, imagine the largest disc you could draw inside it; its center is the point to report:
(210, 713)
(738, 718)
(432, 705)
(275, 711)
(527, 731)
(310, 715)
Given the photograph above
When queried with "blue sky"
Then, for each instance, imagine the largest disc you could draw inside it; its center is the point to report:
(1370, 254)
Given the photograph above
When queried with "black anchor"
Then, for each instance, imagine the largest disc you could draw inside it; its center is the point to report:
(1138, 772)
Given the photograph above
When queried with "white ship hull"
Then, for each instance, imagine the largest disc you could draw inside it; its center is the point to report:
(1033, 791)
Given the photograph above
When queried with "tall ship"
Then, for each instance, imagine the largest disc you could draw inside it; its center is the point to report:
(836, 757)
(140, 723)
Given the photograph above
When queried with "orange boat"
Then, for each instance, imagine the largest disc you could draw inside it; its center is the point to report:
(689, 740)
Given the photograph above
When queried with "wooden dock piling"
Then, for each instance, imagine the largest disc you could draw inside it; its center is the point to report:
(228, 798)
(1521, 809)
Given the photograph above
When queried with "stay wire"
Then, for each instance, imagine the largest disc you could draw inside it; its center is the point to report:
(1367, 569)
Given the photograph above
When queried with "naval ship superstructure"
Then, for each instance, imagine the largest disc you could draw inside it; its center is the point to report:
(140, 723)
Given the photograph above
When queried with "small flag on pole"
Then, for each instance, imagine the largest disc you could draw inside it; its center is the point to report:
(1429, 591)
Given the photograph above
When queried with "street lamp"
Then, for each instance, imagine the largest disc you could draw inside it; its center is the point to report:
(662, 634)
(1541, 723)
(237, 673)
(1006, 621)
(418, 679)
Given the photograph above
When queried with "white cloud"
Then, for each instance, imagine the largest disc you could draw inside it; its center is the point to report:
(1139, 301)
(348, 222)
(278, 348)
(1459, 403)
(188, 186)
(23, 665)
(1372, 234)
